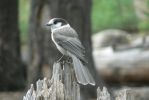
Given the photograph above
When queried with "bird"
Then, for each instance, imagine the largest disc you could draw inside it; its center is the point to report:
(67, 42)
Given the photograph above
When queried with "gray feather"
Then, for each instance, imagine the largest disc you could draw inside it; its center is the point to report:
(70, 42)
(66, 31)
(82, 74)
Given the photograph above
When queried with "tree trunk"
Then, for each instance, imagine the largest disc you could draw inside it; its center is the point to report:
(11, 69)
(77, 13)
(42, 50)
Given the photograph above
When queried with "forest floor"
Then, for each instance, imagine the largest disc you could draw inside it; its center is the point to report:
(11, 95)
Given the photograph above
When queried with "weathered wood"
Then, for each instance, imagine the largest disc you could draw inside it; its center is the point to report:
(103, 94)
(129, 93)
(125, 94)
(62, 86)
(123, 67)
(110, 37)
(55, 89)
(140, 93)
(119, 40)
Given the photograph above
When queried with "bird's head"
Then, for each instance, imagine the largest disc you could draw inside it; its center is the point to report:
(57, 23)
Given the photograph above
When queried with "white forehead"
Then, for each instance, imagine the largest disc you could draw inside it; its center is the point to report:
(50, 21)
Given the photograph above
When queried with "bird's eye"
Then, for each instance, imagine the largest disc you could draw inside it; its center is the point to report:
(55, 22)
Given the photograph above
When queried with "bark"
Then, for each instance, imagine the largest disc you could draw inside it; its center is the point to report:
(42, 50)
(11, 69)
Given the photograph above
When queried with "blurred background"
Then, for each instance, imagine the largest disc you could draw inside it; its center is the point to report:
(114, 31)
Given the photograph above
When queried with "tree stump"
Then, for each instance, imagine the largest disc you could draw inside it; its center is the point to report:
(62, 86)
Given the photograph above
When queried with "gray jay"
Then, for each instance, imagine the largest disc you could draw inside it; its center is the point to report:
(67, 42)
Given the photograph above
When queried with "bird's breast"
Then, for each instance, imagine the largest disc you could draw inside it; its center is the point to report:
(62, 50)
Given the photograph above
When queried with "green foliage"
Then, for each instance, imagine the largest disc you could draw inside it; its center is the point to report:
(113, 14)
(144, 24)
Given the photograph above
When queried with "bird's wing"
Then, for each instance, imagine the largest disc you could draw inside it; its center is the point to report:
(70, 43)
(67, 31)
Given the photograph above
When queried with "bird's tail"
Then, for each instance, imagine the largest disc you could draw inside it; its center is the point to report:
(82, 73)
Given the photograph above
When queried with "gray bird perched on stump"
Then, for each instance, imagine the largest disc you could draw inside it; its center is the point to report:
(67, 42)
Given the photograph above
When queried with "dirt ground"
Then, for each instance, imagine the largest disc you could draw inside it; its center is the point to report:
(11, 95)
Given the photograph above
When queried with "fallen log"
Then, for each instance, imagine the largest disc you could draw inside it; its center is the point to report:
(129, 66)
(132, 93)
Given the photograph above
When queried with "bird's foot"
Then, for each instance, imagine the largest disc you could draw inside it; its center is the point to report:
(69, 60)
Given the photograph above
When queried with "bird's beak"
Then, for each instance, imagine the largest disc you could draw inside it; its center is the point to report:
(48, 24)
